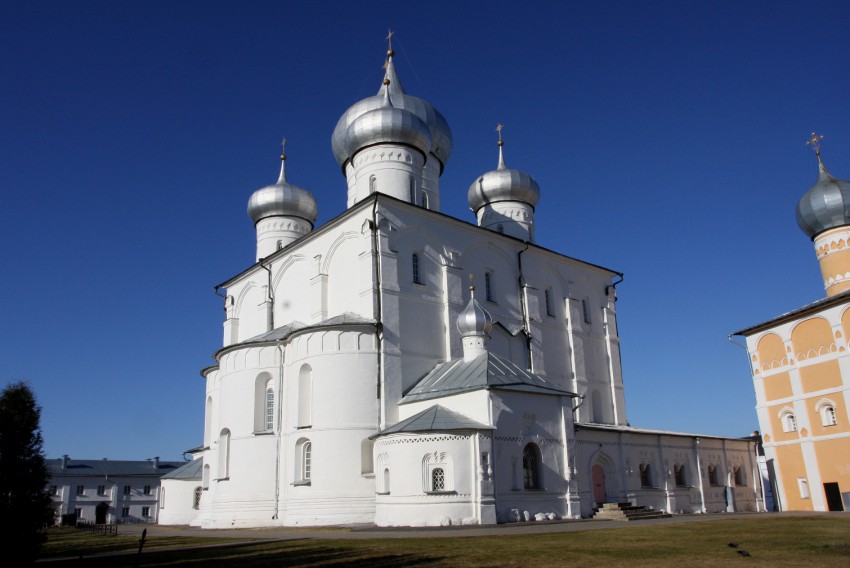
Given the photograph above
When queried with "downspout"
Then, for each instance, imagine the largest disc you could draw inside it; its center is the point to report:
(279, 428)
(379, 326)
(269, 297)
(614, 405)
(699, 476)
(526, 324)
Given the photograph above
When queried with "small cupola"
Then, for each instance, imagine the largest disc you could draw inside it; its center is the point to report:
(474, 324)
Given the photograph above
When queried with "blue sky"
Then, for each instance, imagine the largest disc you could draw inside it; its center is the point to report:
(667, 138)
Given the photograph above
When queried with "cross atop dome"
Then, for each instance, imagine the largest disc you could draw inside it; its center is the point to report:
(814, 142)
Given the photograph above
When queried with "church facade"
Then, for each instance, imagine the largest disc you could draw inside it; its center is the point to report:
(801, 367)
(401, 367)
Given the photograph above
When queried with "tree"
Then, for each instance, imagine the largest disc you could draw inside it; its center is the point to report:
(25, 508)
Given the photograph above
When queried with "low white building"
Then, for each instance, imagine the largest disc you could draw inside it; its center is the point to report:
(106, 491)
(360, 381)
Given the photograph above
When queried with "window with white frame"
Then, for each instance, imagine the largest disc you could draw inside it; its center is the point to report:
(411, 189)
(125, 512)
(101, 490)
(196, 497)
(488, 286)
(680, 475)
(269, 408)
(81, 490)
(438, 479)
(147, 490)
(386, 480)
(437, 473)
(739, 476)
(305, 396)
(303, 462)
(224, 454)
(78, 512)
(827, 415)
(585, 308)
(714, 475)
(804, 488)
(146, 511)
(424, 199)
(531, 462)
(373, 184)
(205, 479)
(547, 296)
(127, 490)
(789, 422)
(417, 276)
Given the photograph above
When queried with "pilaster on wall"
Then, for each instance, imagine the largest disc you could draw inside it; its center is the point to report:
(453, 301)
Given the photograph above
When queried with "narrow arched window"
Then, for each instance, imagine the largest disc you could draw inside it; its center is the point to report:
(547, 296)
(424, 200)
(305, 396)
(417, 278)
(373, 184)
(679, 474)
(827, 416)
(224, 454)
(488, 286)
(386, 480)
(713, 475)
(645, 475)
(306, 461)
(269, 408)
(279, 245)
(438, 479)
(789, 423)
(205, 480)
(500, 228)
(740, 478)
(196, 497)
(531, 467)
(411, 188)
(804, 488)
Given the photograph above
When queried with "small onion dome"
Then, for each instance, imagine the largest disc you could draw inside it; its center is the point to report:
(441, 135)
(282, 199)
(474, 320)
(826, 205)
(503, 184)
(387, 124)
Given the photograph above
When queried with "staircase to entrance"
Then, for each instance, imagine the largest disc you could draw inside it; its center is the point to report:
(627, 512)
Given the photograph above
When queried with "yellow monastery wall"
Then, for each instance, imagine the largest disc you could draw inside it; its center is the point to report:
(832, 458)
(821, 376)
(789, 460)
(777, 386)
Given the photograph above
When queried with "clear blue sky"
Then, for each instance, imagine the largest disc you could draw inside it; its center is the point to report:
(667, 138)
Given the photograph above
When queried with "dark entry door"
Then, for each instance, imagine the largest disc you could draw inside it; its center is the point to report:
(100, 514)
(598, 476)
(833, 497)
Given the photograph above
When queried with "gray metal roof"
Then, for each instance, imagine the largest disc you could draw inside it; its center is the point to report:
(434, 419)
(189, 470)
(825, 205)
(285, 331)
(813, 307)
(487, 371)
(117, 468)
(633, 430)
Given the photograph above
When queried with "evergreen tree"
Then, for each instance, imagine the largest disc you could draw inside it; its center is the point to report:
(25, 508)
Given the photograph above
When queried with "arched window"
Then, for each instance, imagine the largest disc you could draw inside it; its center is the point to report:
(596, 407)
(424, 200)
(411, 187)
(739, 477)
(531, 467)
(714, 475)
(196, 497)
(279, 245)
(804, 488)
(373, 184)
(303, 461)
(224, 454)
(386, 480)
(488, 286)
(205, 480)
(500, 228)
(438, 479)
(417, 279)
(789, 422)
(208, 422)
(547, 296)
(680, 475)
(645, 475)
(827, 415)
(269, 408)
(305, 396)
(366, 457)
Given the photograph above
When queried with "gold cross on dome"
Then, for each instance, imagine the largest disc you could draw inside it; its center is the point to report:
(283, 148)
(814, 142)
(389, 39)
(471, 281)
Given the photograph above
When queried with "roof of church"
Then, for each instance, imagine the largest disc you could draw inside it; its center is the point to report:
(284, 331)
(633, 430)
(104, 467)
(487, 371)
(813, 307)
(189, 470)
(434, 418)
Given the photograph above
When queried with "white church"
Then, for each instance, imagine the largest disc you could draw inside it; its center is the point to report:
(401, 367)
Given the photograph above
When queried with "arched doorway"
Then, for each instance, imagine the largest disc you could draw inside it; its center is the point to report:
(597, 474)
(100, 514)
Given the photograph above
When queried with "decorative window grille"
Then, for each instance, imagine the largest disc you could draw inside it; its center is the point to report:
(196, 497)
(438, 479)
(269, 408)
(306, 461)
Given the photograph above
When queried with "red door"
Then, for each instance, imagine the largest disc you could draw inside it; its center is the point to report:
(598, 475)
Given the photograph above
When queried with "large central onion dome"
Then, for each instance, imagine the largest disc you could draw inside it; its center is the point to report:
(387, 124)
(825, 205)
(282, 199)
(384, 128)
(503, 184)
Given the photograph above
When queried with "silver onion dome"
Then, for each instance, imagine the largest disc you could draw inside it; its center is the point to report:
(282, 199)
(503, 184)
(441, 135)
(825, 205)
(387, 124)
(474, 320)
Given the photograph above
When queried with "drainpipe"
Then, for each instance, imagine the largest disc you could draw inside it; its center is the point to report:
(610, 354)
(279, 428)
(526, 327)
(379, 326)
(699, 476)
(269, 297)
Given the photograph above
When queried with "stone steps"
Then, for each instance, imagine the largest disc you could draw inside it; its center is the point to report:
(627, 512)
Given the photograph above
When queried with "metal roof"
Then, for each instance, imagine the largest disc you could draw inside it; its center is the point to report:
(633, 430)
(434, 419)
(825, 205)
(813, 307)
(487, 371)
(189, 470)
(96, 468)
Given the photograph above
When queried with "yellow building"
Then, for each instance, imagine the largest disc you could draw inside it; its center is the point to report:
(801, 366)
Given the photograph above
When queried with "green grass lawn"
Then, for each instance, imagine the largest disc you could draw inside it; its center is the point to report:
(776, 542)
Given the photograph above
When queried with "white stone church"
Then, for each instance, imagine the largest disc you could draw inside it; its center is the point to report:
(401, 367)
